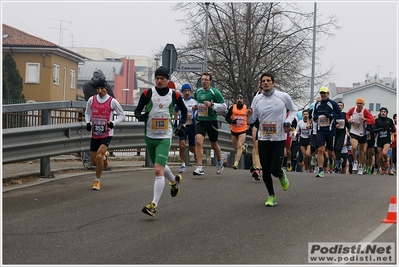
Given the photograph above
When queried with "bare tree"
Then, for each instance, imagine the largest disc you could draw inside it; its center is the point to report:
(249, 38)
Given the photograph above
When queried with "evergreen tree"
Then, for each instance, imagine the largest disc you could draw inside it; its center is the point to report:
(12, 80)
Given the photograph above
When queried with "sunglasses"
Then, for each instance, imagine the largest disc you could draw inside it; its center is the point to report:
(359, 103)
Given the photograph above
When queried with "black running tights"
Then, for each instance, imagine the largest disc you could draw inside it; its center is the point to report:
(271, 155)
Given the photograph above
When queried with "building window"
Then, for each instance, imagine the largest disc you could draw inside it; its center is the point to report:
(56, 74)
(377, 106)
(73, 78)
(371, 106)
(32, 74)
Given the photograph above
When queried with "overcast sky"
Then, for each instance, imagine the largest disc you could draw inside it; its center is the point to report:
(367, 43)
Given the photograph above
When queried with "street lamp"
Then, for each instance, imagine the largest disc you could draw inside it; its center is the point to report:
(127, 90)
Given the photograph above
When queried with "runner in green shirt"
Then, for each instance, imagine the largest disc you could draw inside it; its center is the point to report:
(210, 103)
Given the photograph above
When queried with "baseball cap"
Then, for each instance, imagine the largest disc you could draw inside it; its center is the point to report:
(323, 89)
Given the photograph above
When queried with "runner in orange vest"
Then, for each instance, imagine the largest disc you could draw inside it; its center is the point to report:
(236, 117)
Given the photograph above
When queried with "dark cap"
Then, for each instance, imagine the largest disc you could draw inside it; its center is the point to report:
(384, 108)
(162, 71)
(185, 86)
(102, 83)
(240, 96)
(98, 74)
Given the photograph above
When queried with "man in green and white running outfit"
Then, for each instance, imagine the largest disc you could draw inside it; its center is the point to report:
(210, 103)
(158, 103)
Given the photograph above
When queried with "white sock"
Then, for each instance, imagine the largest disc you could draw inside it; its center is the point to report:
(183, 164)
(159, 185)
(168, 174)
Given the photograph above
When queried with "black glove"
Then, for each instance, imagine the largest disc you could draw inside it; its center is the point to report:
(175, 124)
(234, 121)
(143, 117)
(110, 125)
(180, 131)
(88, 127)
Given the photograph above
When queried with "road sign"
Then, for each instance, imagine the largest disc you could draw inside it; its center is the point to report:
(169, 57)
(190, 67)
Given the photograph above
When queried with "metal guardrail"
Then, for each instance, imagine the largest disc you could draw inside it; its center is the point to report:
(45, 141)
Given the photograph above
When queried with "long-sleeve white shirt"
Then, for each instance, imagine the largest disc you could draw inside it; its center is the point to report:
(115, 106)
(272, 114)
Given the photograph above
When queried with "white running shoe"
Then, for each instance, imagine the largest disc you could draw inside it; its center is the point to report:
(354, 168)
(199, 171)
(219, 167)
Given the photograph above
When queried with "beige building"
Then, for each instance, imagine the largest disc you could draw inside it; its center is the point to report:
(49, 72)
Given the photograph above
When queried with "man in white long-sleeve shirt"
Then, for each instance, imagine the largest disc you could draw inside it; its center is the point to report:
(270, 108)
(100, 123)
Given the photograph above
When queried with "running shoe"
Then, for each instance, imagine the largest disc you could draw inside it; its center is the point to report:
(331, 163)
(174, 187)
(271, 201)
(150, 209)
(106, 160)
(285, 184)
(182, 169)
(360, 170)
(392, 171)
(244, 149)
(320, 173)
(96, 185)
(289, 167)
(235, 166)
(219, 167)
(370, 170)
(199, 171)
(251, 170)
(375, 171)
(354, 168)
(256, 174)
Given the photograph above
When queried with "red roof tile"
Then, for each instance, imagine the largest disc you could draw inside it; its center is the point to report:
(16, 37)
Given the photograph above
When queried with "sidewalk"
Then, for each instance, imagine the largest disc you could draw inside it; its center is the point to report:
(26, 173)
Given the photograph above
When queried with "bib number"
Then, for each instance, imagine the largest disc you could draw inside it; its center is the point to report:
(99, 126)
(202, 110)
(269, 128)
(323, 121)
(159, 124)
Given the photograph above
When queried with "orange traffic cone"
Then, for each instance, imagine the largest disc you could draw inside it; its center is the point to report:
(391, 216)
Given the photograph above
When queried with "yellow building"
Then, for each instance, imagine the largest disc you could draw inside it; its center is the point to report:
(49, 72)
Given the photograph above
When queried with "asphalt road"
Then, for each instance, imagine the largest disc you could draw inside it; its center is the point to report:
(216, 219)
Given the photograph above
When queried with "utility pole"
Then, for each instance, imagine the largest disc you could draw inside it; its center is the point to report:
(313, 56)
(206, 36)
(61, 30)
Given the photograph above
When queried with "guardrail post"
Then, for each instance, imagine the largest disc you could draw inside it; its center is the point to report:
(148, 162)
(45, 170)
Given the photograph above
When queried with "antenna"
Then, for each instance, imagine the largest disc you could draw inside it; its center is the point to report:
(61, 30)
(72, 42)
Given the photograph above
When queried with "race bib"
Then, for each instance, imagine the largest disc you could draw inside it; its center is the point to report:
(202, 110)
(240, 120)
(323, 121)
(305, 131)
(159, 124)
(99, 126)
(383, 134)
(189, 119)
(269, 128)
